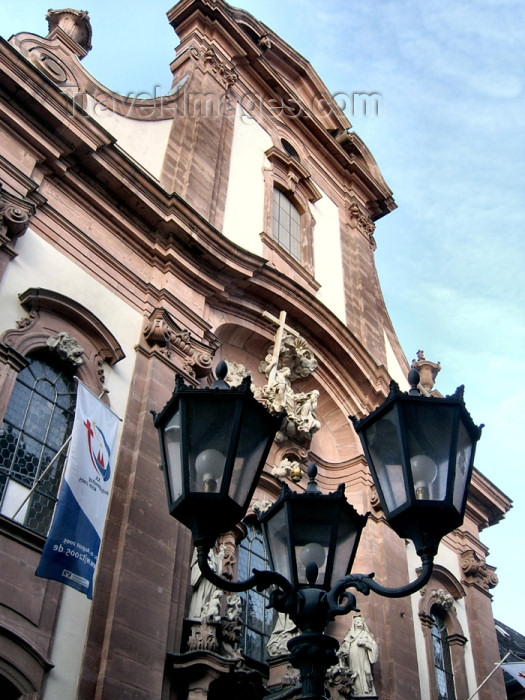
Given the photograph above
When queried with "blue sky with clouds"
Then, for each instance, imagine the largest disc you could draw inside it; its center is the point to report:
(450, 144)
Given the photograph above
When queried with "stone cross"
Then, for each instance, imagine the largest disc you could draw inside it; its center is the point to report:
(281, 328)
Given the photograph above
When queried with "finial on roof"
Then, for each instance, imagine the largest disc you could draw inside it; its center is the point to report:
(428, 370)
(75, 23)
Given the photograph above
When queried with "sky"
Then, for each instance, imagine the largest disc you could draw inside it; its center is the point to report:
(451, 145)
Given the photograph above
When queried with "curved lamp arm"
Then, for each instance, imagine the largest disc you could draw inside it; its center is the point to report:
(364, 584)
(259, 580)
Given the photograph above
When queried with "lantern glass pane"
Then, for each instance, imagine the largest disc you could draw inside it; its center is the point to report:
(208, 436)
(171, 435)
(385, 451)
(346, 541)
(277, 542)
(463, 458)
(312, 528)
(429, 434)
(253, 442)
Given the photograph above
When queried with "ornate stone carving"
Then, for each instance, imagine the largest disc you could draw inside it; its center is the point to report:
(231, 628)
(477, 571)
(211, 630)
(442, 598)
(290, 677)
(341, 679)
(206, 598)
(162, 334)
(236, 373)
(277, 394)
(14, 217)
(262, 506)
(357, 653)
(203, 636)
(264, 43)
(288, 359)
(288, 469)
(225, 72)
(26, 321)
(374, 498)
(75, 23)
(362, 221)
(283, 631)
(295, 354)
(157, 330)
(228, 547)
(67, 348)
(428, 371)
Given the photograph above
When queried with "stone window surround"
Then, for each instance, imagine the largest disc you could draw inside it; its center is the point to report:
(291, 177)
(442, 591)
(50, 314)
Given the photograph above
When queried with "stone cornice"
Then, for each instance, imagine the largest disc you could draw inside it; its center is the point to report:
(129, 201)
(486, 504)
(261, 64)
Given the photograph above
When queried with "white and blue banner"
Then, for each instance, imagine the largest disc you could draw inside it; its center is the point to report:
(516, 670)
(71, 549)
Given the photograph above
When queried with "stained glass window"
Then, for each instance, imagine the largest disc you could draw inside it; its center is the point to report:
(37, 422)
(258, 620)
(442, 662)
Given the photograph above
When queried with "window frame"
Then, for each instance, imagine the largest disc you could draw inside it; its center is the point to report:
(50, 314)
(31, 391)
(443, 660)
(441, 593)
(288, 175)
(254, 531)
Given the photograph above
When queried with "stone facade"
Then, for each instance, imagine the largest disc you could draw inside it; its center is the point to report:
(133, 265)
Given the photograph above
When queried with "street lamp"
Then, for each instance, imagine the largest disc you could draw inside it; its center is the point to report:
(214, 444)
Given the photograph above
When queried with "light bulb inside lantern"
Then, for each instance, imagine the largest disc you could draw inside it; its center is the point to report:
(313, 552)
(424, 472)
(209, 466)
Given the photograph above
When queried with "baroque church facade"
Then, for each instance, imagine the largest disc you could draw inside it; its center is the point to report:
(232, 219)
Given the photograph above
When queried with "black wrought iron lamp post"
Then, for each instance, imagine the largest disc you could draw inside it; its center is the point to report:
(214, 444)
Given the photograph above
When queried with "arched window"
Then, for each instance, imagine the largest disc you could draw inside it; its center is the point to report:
(288, 233)
(37, 421)
(7, 690)
(258, 621)
(286, 224)
(442, 659)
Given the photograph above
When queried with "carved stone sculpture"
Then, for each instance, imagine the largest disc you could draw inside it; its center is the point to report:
(236, 373)
(283, 631)
(359, 652)
(206, 598)
(231, 628)
(67, 348)
(288, 469)
(294, 353)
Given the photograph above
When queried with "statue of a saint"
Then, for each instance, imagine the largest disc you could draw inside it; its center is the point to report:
(359, 651)
(206, 598)
(283, 631)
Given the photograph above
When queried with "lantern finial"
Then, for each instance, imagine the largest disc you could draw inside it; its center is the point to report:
(220, 372)
(413, 380)
(312, 484)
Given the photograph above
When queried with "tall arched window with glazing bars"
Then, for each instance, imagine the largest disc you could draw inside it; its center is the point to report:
(258, 620)
(442, 659)
(38, 420)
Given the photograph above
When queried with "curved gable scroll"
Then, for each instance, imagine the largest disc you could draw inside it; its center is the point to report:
(53, 317)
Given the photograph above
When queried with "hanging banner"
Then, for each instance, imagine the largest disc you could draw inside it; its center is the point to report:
(516, 670)
(71, 549)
